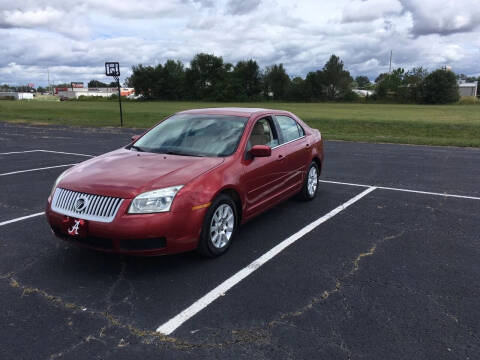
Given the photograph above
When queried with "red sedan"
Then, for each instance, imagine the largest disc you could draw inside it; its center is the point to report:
(187, 183)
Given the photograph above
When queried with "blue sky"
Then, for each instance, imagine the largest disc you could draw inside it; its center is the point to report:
(74, 39)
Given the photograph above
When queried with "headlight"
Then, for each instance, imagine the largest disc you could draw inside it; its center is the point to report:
(154, 201)
(62, 175)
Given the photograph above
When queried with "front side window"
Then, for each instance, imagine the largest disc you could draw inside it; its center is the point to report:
(194, 135)
(263, 134)
(289, 128)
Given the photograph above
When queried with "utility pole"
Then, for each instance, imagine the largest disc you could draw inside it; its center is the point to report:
(390, 69)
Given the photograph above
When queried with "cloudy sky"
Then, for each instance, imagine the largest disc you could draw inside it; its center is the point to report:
(74, 38)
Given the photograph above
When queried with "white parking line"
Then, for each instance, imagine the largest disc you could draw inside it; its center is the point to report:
(17, 152)
(172, 324)
(47, 151)
(404, 190)
(37, 169)
(20, 218)
(67, 153)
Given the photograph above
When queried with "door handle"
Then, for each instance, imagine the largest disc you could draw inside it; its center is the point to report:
(280, 157)
(308, 145)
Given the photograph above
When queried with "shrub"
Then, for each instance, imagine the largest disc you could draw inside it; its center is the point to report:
(468, 100)
(441, 87)
(101, 98)
(351, 96)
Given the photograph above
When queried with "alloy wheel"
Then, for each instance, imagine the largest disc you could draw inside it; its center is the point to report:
(222, 225)
(312, 181)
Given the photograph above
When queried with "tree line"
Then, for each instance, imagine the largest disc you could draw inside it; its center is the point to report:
(418, 86)
(210, 78)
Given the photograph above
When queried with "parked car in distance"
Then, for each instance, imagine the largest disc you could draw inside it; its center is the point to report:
(187, 183)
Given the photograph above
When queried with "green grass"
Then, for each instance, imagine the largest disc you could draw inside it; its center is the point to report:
(410, 124)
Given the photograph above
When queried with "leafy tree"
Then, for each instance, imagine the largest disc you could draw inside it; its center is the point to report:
(276, 81)
(414, 84)
(395, 79)
(363, 82)
(247, 80)
(142, 80)
(96, 84)
(314, 86)
(466, 78)
(389, 85)
(296, 90)
(159, 82)
(380, 78)
(206, 77)
(441, 87)
(157, 89)
(336, 80)
(173, 75)
(24, 88)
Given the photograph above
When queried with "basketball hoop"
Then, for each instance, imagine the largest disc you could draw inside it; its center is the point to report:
(113, 69)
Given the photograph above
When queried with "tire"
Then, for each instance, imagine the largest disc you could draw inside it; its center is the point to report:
(219, 227)
(310, 186)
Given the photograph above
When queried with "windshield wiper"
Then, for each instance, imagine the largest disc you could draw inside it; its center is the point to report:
(171, 152)
(137, 148)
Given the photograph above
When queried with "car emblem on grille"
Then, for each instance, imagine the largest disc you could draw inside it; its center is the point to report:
(81, 204)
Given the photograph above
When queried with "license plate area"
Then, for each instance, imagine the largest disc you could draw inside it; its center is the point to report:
(74, 227)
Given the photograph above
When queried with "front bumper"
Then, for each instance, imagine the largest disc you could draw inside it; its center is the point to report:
(137, 234)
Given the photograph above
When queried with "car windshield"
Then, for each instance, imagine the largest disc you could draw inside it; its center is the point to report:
(194, 135)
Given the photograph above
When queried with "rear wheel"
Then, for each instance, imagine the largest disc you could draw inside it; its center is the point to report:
(219, 227)
(310, 186)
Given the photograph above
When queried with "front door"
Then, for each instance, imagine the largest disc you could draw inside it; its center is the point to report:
(263, 177)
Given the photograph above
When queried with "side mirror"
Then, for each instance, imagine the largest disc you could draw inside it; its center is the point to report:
(261, 151)
(135, 137)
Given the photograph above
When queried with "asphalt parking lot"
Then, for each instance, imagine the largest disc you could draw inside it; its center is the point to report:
(383, 264)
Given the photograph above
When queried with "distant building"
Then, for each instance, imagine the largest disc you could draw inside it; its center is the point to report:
(14, 95)
(363, 93)
(468, 89)
(76, 92)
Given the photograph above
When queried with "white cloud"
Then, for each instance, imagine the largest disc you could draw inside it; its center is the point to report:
(243, 7)
(74, 39)
(447, 17)
(368, 10)
(30, 18)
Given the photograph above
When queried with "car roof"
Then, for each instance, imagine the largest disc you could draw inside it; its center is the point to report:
(232, 111)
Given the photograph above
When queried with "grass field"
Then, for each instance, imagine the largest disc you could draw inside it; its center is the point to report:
(457, 125)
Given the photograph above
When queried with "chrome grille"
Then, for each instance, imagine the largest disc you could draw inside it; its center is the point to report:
(96, 207)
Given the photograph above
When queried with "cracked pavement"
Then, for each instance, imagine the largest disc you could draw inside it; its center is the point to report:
(393, 276)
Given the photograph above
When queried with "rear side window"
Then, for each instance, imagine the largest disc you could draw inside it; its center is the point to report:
(289, 128)
(300, 130)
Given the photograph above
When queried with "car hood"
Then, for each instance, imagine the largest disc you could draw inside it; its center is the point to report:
(125, 173)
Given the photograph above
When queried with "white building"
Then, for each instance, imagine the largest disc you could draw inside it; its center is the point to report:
(75, 93)
(16, 95)
(363, 93)
(468, 89)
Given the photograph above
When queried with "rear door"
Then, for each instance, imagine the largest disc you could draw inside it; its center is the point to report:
(296, 150)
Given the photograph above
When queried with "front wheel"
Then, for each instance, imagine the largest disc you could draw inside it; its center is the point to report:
(310, 186)
(219, 227)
